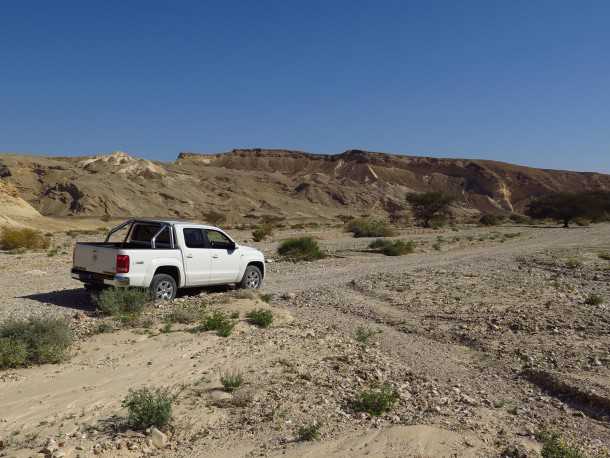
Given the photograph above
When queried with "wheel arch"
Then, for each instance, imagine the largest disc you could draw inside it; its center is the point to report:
(172, 271)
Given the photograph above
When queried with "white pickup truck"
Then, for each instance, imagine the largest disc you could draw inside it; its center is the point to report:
(165, 256)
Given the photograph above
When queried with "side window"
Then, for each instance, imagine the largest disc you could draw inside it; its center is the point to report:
(193, 238)
(218, 239)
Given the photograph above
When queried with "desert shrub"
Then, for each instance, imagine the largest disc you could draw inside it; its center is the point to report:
(231, 380)
(594, 299)
(125, 304)
(604, 256)
(300, 249)
(309, 432)
(23, 239)
(363, 334)
(518, 218)
(582, 222)
(148, 407)
(376, 401)
(393, 247)
(428, 206)
(105, 218)
(365, 227)
(573, 263)
(13, 353)
(490, 219)
(437, 246)
(260, 317)
(218, 321)
(184, 315)
(215, 218)
(554, 446)
(34, 341)
(262, 232)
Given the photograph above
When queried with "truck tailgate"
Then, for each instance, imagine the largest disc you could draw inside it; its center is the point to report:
(95, 258)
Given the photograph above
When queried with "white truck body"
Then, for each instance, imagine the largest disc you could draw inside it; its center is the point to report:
(192, 254)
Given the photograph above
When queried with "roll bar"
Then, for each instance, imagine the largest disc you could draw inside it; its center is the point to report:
(153, 241)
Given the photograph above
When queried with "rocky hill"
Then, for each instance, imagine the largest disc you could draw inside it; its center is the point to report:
(246, 184)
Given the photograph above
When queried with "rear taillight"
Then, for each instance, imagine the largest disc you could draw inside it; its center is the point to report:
(122, 263)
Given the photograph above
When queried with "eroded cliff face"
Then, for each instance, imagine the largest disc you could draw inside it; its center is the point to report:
(246, 183)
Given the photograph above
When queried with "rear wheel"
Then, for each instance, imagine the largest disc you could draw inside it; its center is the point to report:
(163, 287)
(252, 279)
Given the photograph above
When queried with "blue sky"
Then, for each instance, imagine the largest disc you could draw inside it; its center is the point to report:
(519, 81)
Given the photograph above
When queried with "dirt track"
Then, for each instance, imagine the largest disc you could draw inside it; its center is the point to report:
(458, 327)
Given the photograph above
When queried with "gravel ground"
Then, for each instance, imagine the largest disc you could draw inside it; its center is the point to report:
(487, 331)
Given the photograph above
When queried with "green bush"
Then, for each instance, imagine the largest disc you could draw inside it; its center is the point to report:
(300, 249)
(125, 304)
(262, 232)
(363, 334)
(13, 353)
(23, 239)
(573, 263)
(365, 227)
(260, 317)
(376, 401)
(490, 219)
(554, 446)
(218, 321)
(309, 432)
(231, 380)
(594, 299)
(148, 407)
(35, 341)
(393, 247)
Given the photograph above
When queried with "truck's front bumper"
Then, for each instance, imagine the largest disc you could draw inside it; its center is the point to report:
(94, 278)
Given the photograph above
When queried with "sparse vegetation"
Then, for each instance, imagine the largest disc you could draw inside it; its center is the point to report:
(393, 247)
(218, 321)
(23, 239)
(573, 263)
(309, 432)
(365, 227)
(594, 299)
(604, 256)
(231, 380)
(363, 334)
(262, 232)
(376, 401)
(554, 446)
(184, 315)
(427, 206)
(148, 407)
(34, 341)
(490, 219)
(260, 317)
(518, 218)
(124, 304)
(300, 249)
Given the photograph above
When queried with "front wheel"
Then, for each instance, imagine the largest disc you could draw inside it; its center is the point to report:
(252, 279)
(163, 287)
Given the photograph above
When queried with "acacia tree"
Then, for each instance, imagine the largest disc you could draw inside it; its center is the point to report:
(568, 206)
(428, 205)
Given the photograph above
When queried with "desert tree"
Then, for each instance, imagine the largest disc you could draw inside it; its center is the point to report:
(568, 206)
(428, 205)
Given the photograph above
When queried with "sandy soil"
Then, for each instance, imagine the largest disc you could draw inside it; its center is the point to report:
(485, 334)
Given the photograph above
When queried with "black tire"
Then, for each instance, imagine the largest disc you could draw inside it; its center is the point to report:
(163, 287)
(252, 279)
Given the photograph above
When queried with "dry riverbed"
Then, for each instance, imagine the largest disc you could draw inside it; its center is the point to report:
(486, 335)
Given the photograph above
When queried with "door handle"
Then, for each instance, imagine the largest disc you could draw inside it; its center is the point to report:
(215, 256)
(189, 255)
